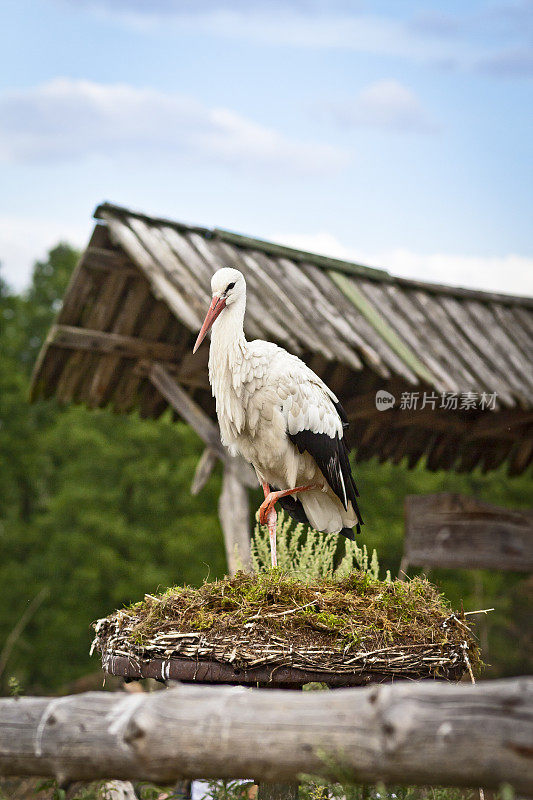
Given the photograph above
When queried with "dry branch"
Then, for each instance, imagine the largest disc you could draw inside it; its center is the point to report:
(411, 733)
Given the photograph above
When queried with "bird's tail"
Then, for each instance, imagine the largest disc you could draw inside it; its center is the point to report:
(325, 512)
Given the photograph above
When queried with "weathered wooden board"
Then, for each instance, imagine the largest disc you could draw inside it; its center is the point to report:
(408, 733)
(234, 515)
(153, 329)
(451, 530)
(111, 343)
(204, 468)
(108, 369)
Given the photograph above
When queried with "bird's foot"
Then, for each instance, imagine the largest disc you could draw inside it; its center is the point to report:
(272, 498)
(267, 506)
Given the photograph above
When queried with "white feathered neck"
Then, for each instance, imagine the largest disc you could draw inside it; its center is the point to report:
(227, 361)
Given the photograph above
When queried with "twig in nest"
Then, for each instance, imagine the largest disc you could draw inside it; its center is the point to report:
(481, 611)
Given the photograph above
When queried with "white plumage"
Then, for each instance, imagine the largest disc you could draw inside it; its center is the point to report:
(278, 414)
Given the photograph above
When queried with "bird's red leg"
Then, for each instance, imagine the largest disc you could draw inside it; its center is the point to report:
(271, 520)
(272, 498)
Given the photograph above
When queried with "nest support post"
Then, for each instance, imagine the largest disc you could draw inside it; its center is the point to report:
(277, 791)
(234, 514)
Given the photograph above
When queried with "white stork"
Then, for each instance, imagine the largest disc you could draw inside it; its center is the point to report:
(279, 415)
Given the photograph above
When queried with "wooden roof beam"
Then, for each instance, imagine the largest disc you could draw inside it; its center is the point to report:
(102, 259)
(96, 341)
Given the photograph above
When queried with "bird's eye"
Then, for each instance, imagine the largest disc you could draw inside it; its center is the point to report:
(229, 286)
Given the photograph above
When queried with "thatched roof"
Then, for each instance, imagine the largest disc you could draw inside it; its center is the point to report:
(142, 286)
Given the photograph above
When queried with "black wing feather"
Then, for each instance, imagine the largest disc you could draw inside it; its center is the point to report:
(331, 456)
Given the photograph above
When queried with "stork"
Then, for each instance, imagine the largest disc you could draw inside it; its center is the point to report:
(281, 417)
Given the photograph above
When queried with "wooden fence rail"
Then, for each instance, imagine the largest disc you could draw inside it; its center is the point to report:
(410, 733)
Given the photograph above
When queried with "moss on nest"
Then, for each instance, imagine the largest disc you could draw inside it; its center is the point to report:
(355, 609)
(355, 618)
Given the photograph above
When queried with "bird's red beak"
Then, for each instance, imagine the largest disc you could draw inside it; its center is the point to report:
(218, 304)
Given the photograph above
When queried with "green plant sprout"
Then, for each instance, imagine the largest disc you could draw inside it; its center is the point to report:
(309, 555)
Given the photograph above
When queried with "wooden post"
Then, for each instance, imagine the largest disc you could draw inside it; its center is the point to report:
(204, 468)
(234, 513)
(278, 791)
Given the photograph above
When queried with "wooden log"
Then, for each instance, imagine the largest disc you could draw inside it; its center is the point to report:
(408, 733)
(110, 343)
(234, 513)
(187, 670)
(450, 530)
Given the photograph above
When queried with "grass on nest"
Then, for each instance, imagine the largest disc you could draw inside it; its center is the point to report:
(357, 609)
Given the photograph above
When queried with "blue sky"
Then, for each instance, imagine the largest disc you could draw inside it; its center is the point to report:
(394, 133)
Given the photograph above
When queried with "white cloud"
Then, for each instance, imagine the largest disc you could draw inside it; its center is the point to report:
(385, 104)
(338, 24)
(510, 274)
(24, 240)
(180, 7)
(495, 38)
(71, 119)
(333, 29)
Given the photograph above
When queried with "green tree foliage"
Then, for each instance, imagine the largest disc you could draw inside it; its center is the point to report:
(96, 508)
(93, 506)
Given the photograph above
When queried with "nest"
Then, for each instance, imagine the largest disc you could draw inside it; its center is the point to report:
(355, 627)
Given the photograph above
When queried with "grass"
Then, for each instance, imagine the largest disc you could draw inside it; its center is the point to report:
(35, 789)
